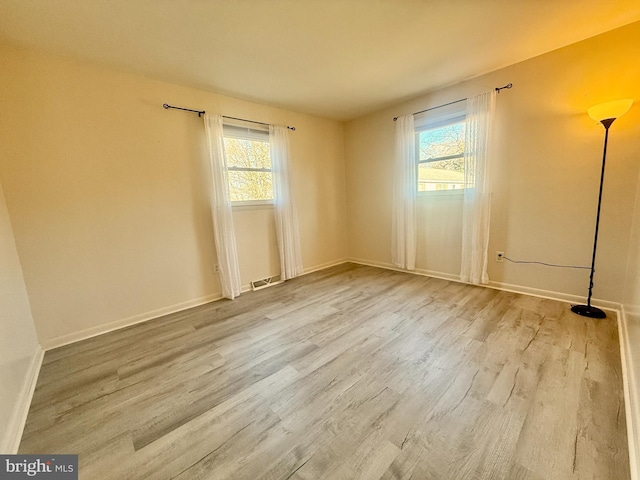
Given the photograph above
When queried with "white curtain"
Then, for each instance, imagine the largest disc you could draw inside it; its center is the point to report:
(403, 244)
(223, 231)
(287, 231)
(477, 193)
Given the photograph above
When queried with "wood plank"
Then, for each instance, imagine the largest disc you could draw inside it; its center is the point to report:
(350, 372)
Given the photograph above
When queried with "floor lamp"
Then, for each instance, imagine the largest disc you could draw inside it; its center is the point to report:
(605, 113)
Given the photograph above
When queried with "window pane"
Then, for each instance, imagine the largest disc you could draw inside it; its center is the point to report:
(247, 153)
(245, 186)
(441, 150)
(442, 142)
(251, 154)
(441, 175)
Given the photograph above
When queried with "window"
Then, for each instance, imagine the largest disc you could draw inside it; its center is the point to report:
(248, 164)
(440, 154)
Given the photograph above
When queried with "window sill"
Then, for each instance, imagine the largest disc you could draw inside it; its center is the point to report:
(441, 193)
(253, 205)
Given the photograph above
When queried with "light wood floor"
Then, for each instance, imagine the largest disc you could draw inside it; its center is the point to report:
(352, 372)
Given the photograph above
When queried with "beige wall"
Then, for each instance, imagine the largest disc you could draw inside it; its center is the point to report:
(18, 343)
(545, 178)
(107, 191)
(108, 194)
(631, 332)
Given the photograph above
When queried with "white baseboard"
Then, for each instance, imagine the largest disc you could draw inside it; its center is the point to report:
(74, 337)
(417, 271)
(551, 295)
(631, 394)
(13, 435)
(323, 266)
(534, 292)
(125, 322)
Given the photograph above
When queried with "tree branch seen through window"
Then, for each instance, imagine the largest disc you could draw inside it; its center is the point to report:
(249, 170)
(440, 159)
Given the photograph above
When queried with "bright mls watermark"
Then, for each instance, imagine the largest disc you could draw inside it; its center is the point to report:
(52, 467)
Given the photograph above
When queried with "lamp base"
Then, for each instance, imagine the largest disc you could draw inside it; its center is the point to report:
(588, 311)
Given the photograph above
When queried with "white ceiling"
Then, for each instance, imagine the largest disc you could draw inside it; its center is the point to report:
(334, 58)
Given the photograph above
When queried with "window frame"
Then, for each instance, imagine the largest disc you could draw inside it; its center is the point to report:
(239, 130)
(448, 116)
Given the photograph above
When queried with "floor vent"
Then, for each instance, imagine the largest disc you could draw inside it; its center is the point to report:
(265, 282)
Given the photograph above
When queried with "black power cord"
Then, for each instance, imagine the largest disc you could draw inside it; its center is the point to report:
(546, 264)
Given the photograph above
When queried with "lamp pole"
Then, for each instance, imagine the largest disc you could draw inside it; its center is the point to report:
(588, 310)
(605, 113)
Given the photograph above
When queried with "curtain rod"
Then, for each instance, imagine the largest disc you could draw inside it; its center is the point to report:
(253, 121)
(507, 86)
(199, 112)
(202, 112)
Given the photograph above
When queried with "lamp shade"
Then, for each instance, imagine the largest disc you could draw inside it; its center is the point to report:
(613, 109)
